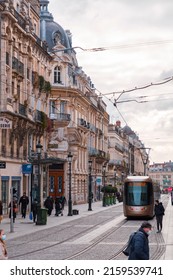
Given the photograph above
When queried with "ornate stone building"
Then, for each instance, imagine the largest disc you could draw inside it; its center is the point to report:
(78, 115)
(24, 91)
(127, 154)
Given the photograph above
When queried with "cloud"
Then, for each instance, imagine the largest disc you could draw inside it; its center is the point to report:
(128, 27)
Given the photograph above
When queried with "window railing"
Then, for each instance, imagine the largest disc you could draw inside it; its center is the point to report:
(18, 66)
(60, 117)
(20, 19)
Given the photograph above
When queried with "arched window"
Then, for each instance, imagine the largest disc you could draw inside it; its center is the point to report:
(57, 75)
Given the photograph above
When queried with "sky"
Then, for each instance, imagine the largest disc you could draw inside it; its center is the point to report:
(138, 41)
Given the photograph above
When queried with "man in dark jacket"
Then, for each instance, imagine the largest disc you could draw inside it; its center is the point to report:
(24, 200)
(140, 247)
(49, 205)
(159, 212)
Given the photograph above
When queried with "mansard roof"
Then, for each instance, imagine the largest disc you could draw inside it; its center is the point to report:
(52, 32)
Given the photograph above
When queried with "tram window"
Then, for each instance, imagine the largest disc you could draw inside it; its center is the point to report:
(137, 195)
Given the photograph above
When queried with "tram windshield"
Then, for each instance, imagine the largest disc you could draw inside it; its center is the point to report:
(138, 194)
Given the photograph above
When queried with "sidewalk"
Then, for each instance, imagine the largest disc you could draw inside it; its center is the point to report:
(26, 226)
(167, 232)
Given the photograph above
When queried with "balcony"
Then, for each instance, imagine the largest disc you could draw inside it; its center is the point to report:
(20, 19)
(101, 156)
(40, 42)
(60, 119)
(119, 148)
(92, 152)
(83, 124)
(17, 67)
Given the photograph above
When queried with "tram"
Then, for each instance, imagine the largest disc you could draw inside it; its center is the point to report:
(138, 197)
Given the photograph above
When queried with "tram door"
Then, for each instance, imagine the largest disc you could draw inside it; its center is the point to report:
(56, 183)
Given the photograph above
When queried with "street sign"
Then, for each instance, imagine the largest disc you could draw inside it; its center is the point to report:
(5, 123)
(27, 168)
(2, 164)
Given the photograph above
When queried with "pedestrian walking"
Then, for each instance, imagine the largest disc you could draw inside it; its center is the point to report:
(49, 205)
(34, 209)
(139, 244)
(58, 207)
(24, 201)
(172, 197)
(159, 212)
(15, 209)
(3, 250)
(1, 211)
(62, 201)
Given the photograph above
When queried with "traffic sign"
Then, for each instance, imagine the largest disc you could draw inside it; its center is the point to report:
(2, 164)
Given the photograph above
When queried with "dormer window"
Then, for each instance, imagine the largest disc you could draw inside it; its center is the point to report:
(17, 8)
(57, 75)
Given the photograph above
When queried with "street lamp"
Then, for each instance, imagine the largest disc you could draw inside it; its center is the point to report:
(90, 186)
(115, 178)
(145, 161)
(38, 149)
(69, 159)
(104, 172)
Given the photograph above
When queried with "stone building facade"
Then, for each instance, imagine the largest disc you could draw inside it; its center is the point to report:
(78, 115)
(24, 63)
(162, 174)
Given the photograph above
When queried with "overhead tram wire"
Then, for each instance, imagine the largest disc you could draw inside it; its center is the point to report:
(116, 108)
(139, 88)
(125, 46)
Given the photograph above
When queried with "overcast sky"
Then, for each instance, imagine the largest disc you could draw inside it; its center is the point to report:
(139, 38)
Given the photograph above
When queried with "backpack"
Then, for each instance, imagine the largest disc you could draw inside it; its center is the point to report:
(127, 250)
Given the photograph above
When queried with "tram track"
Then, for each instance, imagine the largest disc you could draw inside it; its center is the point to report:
(157, 251)
(77, 235)
(99, 240)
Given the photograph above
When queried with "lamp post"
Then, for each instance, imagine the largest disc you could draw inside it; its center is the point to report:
(90, 187)
(145, 161)
(70, 212)
(104, 198)
(38, 149)
(115, 177)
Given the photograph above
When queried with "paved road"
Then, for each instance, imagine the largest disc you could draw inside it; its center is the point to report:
(66, 239)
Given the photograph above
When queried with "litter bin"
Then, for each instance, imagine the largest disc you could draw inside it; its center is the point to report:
(41, 216)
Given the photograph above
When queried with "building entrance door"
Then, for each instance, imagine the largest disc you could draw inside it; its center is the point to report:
(56, 183)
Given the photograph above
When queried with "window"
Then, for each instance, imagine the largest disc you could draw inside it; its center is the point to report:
(18, 8)
(57, 75)
(63, 106)
(52, 107)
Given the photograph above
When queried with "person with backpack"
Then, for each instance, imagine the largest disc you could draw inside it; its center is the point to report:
(159, 212)
(139, 247)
